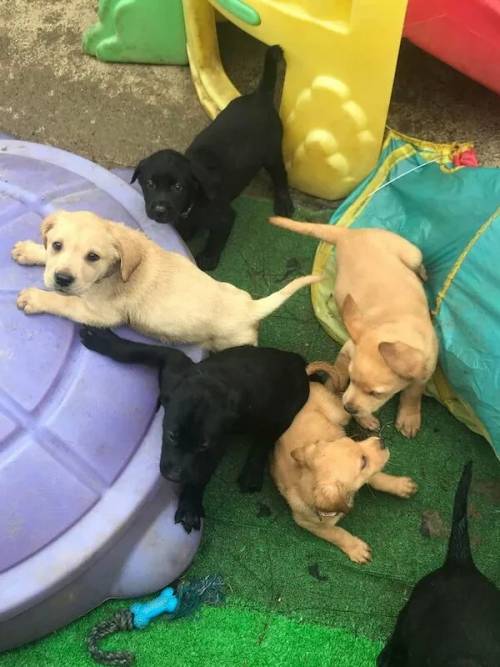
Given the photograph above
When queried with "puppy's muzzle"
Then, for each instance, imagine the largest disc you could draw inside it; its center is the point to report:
(350, 408)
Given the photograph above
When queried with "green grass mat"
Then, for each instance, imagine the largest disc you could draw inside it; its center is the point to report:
(294, 599)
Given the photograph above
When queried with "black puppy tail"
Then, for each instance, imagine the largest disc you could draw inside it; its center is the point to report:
(274, 55)
(459, 552)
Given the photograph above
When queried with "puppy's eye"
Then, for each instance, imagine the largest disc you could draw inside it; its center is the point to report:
(364, 462)
(375, 394)
(92, 257)
(150, 184)
(57, 245)
(178, 186)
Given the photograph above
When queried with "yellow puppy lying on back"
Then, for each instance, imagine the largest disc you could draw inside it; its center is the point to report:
(392, 346)
(319, 470)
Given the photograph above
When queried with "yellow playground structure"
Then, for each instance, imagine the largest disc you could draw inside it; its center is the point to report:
(341, 57)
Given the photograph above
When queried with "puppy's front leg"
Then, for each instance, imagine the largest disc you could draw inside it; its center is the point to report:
(217, 237)
(357, 550)
(29, 253)
(410, 410)
(404, 487)
(34, 300)
(190, 508)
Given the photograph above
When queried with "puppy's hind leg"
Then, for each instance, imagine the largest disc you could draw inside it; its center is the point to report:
(251, 477)
(283, 204)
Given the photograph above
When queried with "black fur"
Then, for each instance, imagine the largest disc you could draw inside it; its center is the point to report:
(194, 191)
(250, 390)
(452, 618)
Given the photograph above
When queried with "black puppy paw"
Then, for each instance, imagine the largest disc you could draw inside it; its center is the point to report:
(189, 515)
(283, 205)
(207, 262)
(250, 481)
(97, 339)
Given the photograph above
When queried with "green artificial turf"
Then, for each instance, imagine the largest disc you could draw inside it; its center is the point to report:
(292, 598)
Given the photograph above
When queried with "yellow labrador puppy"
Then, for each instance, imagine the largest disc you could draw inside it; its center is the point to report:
(318, 469)
(105, 274)
(392, 346)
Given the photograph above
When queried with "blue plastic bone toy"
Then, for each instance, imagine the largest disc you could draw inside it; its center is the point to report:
(144, 612)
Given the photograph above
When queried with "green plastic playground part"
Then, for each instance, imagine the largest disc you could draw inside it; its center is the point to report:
(138, 31)
(241, 10)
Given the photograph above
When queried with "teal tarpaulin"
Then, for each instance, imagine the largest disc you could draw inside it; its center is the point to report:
(453, 215)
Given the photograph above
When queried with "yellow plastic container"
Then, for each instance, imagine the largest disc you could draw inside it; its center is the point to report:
(341, 57)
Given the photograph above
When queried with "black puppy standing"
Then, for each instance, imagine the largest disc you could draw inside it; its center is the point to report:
(452, 618)
(250, 390)
(194, 191)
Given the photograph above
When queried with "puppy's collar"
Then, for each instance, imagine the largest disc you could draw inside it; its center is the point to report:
(185, 213)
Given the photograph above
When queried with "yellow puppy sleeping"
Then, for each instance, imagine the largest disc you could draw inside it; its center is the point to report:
(318, 469)
(392, 346)
(105, 274)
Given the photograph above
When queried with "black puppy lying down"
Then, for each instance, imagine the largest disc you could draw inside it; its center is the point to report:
(252, 390)
(452, 618)
(194, 191)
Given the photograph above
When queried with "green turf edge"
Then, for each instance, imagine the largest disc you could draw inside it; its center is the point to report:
(229, 635)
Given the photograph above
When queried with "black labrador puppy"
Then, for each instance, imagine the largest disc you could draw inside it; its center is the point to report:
(194, 191)
(452, 618)
(251, 390)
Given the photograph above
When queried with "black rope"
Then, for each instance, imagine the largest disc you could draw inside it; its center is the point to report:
(121, 621)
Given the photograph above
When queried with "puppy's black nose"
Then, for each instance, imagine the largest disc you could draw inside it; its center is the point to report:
(350, 408)
(64, 279)
(159, 208)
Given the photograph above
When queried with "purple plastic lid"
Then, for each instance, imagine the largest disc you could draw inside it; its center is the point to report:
(79, 436)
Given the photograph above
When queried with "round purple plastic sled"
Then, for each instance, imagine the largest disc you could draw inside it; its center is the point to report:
(84, 512)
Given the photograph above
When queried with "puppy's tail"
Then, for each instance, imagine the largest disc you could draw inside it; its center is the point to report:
(328, 233)
(324, 367)
(267, 305)
(274, 55)
(459, 552)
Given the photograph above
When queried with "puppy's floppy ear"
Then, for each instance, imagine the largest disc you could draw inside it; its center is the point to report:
(129, 250)
(352, 317)
(205, 171)
(404, 360)
(137, 171)
(302, 455)
(47, 223)
(330, 498)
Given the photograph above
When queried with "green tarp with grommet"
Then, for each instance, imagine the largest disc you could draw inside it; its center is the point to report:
(452, 213)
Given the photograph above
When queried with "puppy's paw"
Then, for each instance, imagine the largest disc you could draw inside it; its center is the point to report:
(283, 206)
(26, 252)
(368, 422)
(207, 262)
(408, 424)
(405, 487)
(189, 515)
(358, 551)
(98, 340)
(31, 301)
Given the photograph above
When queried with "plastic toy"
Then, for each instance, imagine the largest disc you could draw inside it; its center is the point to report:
(85, 513)
(138, 31)
(340, 58)
(190, 596)
(463, 33)
(452, 215)
(145, 612)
